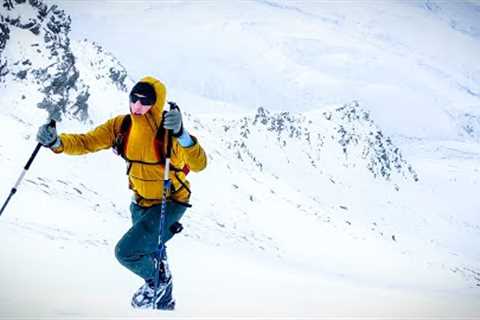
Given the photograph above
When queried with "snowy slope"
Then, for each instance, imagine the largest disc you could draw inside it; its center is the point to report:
(343, 241)
(299, 213)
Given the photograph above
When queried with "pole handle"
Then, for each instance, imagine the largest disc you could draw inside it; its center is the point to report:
(51, 124)
(173, 106)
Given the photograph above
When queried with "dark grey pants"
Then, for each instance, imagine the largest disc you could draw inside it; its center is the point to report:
(136, 249)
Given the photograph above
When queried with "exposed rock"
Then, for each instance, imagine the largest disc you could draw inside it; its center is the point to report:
(50, 63)
(349, 128)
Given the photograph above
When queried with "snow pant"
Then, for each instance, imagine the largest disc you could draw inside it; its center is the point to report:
(136, 249)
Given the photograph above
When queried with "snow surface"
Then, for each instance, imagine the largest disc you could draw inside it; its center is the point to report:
(281, 227)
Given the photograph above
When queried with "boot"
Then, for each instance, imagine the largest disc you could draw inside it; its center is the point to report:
(144, 297)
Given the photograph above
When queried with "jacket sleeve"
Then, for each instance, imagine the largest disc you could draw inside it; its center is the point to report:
(100, 138)
(194, 156)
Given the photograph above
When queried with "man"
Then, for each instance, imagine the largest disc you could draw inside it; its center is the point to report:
(141, 140)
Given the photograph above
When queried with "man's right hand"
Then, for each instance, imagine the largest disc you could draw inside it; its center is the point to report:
(47, 136)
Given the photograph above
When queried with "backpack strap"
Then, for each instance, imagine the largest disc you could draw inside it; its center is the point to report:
(159, 141)
(120, 145)
(120, 142)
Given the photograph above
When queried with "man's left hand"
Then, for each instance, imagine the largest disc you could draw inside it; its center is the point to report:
(173, 121)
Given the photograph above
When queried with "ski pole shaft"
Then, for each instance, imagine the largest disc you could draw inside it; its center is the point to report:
(25, 169)
(163, 211)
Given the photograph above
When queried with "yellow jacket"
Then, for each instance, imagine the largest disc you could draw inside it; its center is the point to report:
(145, 180)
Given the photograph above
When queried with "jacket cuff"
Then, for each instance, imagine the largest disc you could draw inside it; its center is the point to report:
(58, 146)
(185, 140)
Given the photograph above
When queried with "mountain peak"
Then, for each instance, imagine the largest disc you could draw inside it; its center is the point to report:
(49, 69)
(317, 141)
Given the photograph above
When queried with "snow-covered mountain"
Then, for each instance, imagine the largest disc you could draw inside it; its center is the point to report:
(38, 58)
(416, 59)
(313, 142)
(322, 203)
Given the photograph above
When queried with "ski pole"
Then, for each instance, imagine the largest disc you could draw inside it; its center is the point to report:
(25, 169)
(163, 211)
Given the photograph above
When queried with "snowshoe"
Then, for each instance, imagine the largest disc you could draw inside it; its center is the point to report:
(145, 297)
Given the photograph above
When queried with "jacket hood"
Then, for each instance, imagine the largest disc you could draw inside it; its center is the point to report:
(161, 93)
